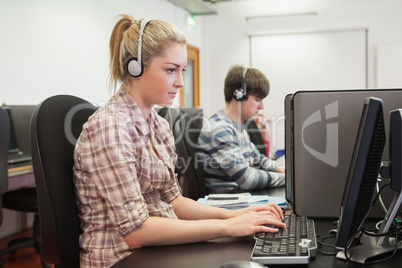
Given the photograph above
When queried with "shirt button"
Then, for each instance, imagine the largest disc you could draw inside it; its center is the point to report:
(130, 207)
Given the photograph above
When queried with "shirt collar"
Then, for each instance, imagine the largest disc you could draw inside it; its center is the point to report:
(123, 98)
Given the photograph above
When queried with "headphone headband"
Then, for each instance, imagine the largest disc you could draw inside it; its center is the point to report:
(241, 93)
(134, 65)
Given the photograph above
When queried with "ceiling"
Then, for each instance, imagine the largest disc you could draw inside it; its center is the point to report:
(200, 7)
(195, 7)
(209, 7)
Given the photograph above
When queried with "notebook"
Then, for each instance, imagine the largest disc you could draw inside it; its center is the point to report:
(15, 155)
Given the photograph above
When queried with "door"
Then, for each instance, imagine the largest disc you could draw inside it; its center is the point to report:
(190, 93)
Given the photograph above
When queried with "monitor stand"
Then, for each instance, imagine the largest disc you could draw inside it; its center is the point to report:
(369, 250)
(372, 247)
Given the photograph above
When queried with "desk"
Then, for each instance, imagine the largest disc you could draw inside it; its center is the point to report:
(20, 176)
(214, 253)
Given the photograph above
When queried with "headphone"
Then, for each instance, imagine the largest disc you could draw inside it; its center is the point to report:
(241, 93)
(134, 65)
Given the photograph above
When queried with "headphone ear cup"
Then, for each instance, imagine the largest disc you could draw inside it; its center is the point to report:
(238, 94)
(134, 68)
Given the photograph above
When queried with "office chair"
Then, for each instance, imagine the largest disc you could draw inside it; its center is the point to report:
(191, 111)
(4, 136)
(56, 124)
(256, 136)
(186, 132)
(171, 114)
(22, 200)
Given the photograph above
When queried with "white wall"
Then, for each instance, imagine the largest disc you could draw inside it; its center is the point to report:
(226, 36)
(61, 46)
(50, 47)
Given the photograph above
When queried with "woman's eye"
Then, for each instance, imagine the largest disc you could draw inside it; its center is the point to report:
(170, 70)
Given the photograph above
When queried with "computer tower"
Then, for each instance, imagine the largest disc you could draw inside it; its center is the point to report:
(320, 132)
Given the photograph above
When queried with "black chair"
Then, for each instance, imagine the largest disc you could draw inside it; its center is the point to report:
(192, 111)
(56, 124)
(186, 132)
(4, 136)
(256, 136)
(22, 200)
(171, 114)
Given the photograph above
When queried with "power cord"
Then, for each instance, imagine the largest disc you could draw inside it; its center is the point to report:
(320, 241)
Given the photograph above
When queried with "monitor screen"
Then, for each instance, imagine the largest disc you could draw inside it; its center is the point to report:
(363, 172)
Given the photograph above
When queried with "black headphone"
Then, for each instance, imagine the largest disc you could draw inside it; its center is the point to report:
(134, 65)
(241, 93)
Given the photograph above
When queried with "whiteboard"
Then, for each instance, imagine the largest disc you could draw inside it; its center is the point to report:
(321, 60)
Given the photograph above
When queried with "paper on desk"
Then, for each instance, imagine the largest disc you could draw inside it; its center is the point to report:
(256, 199)
(228, 200)
(263, 199)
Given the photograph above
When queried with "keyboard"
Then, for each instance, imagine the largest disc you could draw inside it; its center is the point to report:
(293, 245)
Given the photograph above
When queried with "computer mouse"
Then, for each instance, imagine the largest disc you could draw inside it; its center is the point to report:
(242, 264)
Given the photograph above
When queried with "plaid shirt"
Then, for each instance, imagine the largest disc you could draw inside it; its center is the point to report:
(120, 181)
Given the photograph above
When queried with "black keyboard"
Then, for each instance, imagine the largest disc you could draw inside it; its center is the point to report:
(293, 245)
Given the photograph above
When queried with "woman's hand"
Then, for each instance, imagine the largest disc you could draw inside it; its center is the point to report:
(253, 221)
(272, 208)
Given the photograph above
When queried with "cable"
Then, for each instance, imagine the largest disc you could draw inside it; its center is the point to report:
(320, 241)
(378, 195)
(364, 231)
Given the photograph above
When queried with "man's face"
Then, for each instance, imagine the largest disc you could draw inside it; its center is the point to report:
(250, 107)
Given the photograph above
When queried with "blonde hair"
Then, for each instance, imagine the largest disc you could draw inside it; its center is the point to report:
(123, 45)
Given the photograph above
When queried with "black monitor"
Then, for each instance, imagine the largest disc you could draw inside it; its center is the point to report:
(12, 144)
(360, 188)
(363, 172)
(395, 149)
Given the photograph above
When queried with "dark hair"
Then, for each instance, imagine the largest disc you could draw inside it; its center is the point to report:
(257, 82)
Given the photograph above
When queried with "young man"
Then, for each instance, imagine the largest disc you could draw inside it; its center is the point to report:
(230, 161)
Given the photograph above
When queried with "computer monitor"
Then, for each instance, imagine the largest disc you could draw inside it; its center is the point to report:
(395, 149)
(289, 185)
(395, 172)
(12, 143)
(320, 133)
(360, 188)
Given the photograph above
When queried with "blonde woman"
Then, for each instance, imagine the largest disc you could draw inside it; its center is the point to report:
(127, 192)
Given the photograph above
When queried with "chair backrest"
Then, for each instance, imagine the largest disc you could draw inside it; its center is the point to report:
(171, 114)
(56, 124)
(256, 136)
(4, 136)
(186, 132)
(192, 111)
